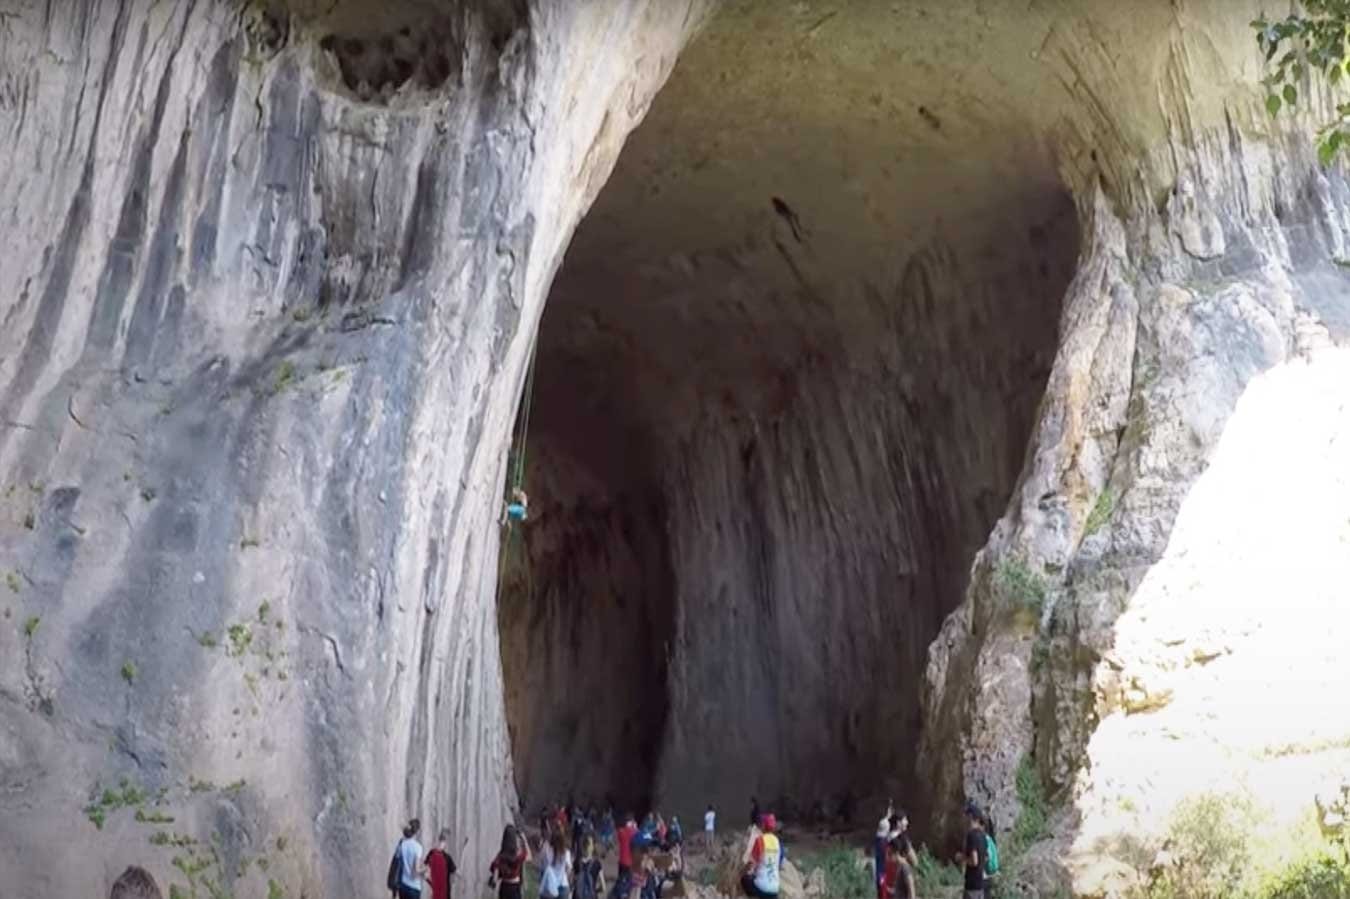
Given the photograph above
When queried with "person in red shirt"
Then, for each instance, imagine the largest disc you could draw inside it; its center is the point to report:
(441, 866)
(505, 872)
(623, 884)
(898, 880)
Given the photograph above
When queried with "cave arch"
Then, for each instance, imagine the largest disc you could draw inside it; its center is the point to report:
(785, 380)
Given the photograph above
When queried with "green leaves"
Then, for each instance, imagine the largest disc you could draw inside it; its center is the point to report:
(1328, 145)
(1315, 41)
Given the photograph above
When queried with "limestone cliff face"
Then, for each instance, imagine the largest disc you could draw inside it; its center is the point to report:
(869, 276)
(271, 276)
(1130, 630)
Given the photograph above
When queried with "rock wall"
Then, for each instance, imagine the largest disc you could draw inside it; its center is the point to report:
(273, 274)
(1128, 631)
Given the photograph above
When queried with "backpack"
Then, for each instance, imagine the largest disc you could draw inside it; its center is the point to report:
(586, 880)
(395, 876)
(990, 856)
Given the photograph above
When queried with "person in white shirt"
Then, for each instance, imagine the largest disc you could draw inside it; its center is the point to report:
(553, 882)
(709, 827)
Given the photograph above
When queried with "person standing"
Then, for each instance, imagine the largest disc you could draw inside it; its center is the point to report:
(440, 866)
(553, 880)
(754, 812)
(623, 883)
(608, 832)
(900, 835)
(974, 855)
(590, 872)
(411, 862)
(898, 882)
(761, 880)
(709, 828)
(879, 841)
(508, 867)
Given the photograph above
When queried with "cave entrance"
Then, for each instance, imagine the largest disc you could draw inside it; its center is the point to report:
(784, 385)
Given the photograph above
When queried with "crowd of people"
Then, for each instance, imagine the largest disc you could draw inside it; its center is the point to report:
(576, 870)
(574, 840)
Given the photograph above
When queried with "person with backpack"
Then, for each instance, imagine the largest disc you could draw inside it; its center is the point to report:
(508, 867)
(974, 857)
(440, 866)
(761, 880)
(590, 872)
(408, 865)
(991, 858)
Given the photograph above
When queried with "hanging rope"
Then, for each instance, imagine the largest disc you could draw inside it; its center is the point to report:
(515, 496)
(527, 403)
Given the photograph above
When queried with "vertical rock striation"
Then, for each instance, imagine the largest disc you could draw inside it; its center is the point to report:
(1126, 632)
(272, 276)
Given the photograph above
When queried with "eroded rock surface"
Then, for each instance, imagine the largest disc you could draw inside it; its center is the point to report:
(271, 278)
(272, 283)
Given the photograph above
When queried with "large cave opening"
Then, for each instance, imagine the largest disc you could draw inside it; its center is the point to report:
(784, 385)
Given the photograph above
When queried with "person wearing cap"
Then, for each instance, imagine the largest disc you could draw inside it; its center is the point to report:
(766, 859)
(974, 854)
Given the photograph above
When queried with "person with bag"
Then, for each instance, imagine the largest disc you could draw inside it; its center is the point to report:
(508, 867)
(408, 866)
(974, 857)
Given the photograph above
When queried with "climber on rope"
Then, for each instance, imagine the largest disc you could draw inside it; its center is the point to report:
(518, 509)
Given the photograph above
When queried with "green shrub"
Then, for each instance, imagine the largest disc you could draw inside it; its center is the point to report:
(844, 877)
(240, 638)
(1101, 512)
(1031, 825)
(934, 877)
(1021, 584)
(1209, 838)
(1321, 876)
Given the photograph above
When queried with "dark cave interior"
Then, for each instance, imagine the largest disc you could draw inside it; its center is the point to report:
(784, 384)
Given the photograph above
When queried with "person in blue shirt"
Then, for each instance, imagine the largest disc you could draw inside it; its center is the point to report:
(519, 507)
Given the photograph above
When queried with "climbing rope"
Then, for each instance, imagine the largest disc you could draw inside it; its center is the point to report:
(527, 403)
(516, 481)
